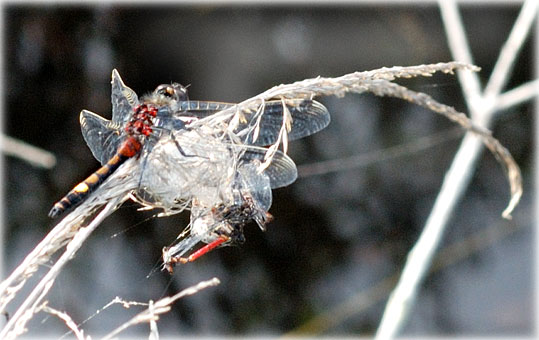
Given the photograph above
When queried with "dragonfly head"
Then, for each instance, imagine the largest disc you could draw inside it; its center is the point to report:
(173, 91)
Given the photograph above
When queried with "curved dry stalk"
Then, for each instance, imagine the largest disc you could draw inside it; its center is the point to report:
(503, 156)
(379, 82)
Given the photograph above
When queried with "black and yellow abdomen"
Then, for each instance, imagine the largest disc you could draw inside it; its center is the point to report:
(129, 148)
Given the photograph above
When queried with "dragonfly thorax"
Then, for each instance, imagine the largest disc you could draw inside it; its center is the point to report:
(142, 120)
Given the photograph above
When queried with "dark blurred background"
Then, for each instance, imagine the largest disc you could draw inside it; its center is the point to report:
(335, 236)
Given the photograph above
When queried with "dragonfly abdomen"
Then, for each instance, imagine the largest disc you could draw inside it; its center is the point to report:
(129, 148)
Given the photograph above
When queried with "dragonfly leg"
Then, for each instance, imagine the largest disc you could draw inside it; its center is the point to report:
(183, 152)
(202, 251)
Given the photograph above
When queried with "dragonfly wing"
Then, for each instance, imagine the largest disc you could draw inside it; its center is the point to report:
(308, 117)
(123, 99)
(199, 108)
(101, 135)
(282, 170)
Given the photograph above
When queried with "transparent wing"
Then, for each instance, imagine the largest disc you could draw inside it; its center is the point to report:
(281, 172)
(308, 117)
(101, 135)
(200, 109)
(123, 100)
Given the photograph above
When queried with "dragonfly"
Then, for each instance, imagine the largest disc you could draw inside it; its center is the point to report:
(138, 127)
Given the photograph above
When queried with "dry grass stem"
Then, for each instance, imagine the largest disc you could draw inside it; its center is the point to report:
(379, 83)
(71, 231)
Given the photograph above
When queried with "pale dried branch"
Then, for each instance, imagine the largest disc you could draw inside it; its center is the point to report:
(160, 307)
(29, 153)
(511, 48)
(518, 95)
(154, 331)
(482, 107)
(459, 47)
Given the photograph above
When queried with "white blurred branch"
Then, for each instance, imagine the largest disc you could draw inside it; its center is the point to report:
(35, 156)
(482, 108)
(511, 48)
(518, 95)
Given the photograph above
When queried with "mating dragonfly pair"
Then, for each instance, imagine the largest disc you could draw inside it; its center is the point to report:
(192, 156)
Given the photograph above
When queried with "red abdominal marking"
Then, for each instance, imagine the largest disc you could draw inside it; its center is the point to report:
(138, 127)
(130, 147)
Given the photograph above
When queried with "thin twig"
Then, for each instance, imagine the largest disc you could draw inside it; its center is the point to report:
(458, 176)
(66, 318)
(162, 306)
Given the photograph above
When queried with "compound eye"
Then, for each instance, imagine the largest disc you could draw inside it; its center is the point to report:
(174, 91)
(165, 90)
(169, 91)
